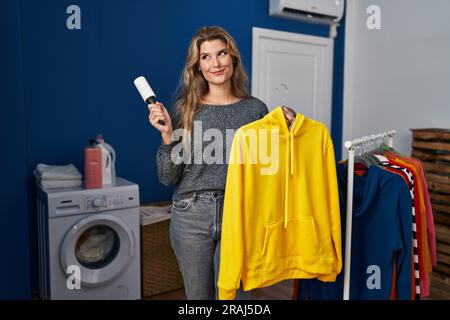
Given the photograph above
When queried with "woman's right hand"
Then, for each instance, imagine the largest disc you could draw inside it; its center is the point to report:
(159, 112)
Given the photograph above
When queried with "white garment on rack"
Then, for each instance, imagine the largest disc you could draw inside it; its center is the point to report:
(381, 158)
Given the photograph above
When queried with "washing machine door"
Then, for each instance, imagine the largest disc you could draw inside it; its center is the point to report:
(101, 245)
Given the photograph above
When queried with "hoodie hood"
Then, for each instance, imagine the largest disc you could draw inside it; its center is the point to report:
(277, 119)
(364, 188)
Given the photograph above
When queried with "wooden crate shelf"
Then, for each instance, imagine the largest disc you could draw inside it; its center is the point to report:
(444, 208)
(441, 218)
(443, 247)
(432, 147)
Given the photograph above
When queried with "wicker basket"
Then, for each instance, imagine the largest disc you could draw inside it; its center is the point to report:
(160, 272)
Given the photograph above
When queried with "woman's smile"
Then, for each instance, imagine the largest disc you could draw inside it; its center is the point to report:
(218, 72)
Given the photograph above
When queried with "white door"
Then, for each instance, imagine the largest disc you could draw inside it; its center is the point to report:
(303, 64)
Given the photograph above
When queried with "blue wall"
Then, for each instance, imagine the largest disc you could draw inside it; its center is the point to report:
(65, 86)
(15, 268)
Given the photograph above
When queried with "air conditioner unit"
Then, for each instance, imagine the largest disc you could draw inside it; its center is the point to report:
(326, 12)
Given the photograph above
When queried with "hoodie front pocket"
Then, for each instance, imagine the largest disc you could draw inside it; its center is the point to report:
(299, 238)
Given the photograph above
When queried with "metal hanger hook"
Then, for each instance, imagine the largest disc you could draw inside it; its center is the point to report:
(284, 94)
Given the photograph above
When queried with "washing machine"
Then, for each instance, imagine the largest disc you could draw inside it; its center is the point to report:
(88, 242)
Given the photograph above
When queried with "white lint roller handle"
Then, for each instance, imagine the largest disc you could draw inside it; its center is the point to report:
(146, 92)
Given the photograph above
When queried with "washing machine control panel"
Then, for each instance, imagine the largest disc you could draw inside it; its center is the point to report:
(99, 202)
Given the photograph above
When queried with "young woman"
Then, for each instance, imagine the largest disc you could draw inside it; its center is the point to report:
(213, 101)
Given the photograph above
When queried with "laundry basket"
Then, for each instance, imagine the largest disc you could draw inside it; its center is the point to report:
(160, 272)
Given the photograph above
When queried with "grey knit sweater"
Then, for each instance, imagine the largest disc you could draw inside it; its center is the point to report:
(206, 169)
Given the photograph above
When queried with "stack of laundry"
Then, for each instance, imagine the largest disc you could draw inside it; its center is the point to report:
(66, 176)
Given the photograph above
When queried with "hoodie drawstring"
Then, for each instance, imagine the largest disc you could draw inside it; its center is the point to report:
(286, 188)
(289, 174)
(291, 150)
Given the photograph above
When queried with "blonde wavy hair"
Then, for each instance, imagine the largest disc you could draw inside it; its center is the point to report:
(193, 84)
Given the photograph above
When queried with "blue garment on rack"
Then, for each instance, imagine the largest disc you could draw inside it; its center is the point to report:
(381, 232)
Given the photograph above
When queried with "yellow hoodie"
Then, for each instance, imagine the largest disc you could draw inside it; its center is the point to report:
(281, 216)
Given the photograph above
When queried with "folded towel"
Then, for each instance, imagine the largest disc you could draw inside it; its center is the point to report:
(66, 172)
(52, 184)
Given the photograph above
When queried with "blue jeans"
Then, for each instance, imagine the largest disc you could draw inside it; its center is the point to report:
(195, 229)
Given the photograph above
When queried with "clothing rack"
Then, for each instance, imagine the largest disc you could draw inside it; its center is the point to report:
(361, 145)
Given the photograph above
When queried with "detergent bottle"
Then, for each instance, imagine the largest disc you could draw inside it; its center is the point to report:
(108, 160)
(92, 166)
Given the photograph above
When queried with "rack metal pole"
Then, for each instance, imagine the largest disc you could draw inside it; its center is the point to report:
(348, 226)
(351, 146)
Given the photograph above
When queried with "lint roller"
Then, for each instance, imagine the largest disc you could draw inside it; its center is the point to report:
(146, 92)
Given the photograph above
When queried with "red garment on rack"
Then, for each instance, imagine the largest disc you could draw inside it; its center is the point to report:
(423, 250)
